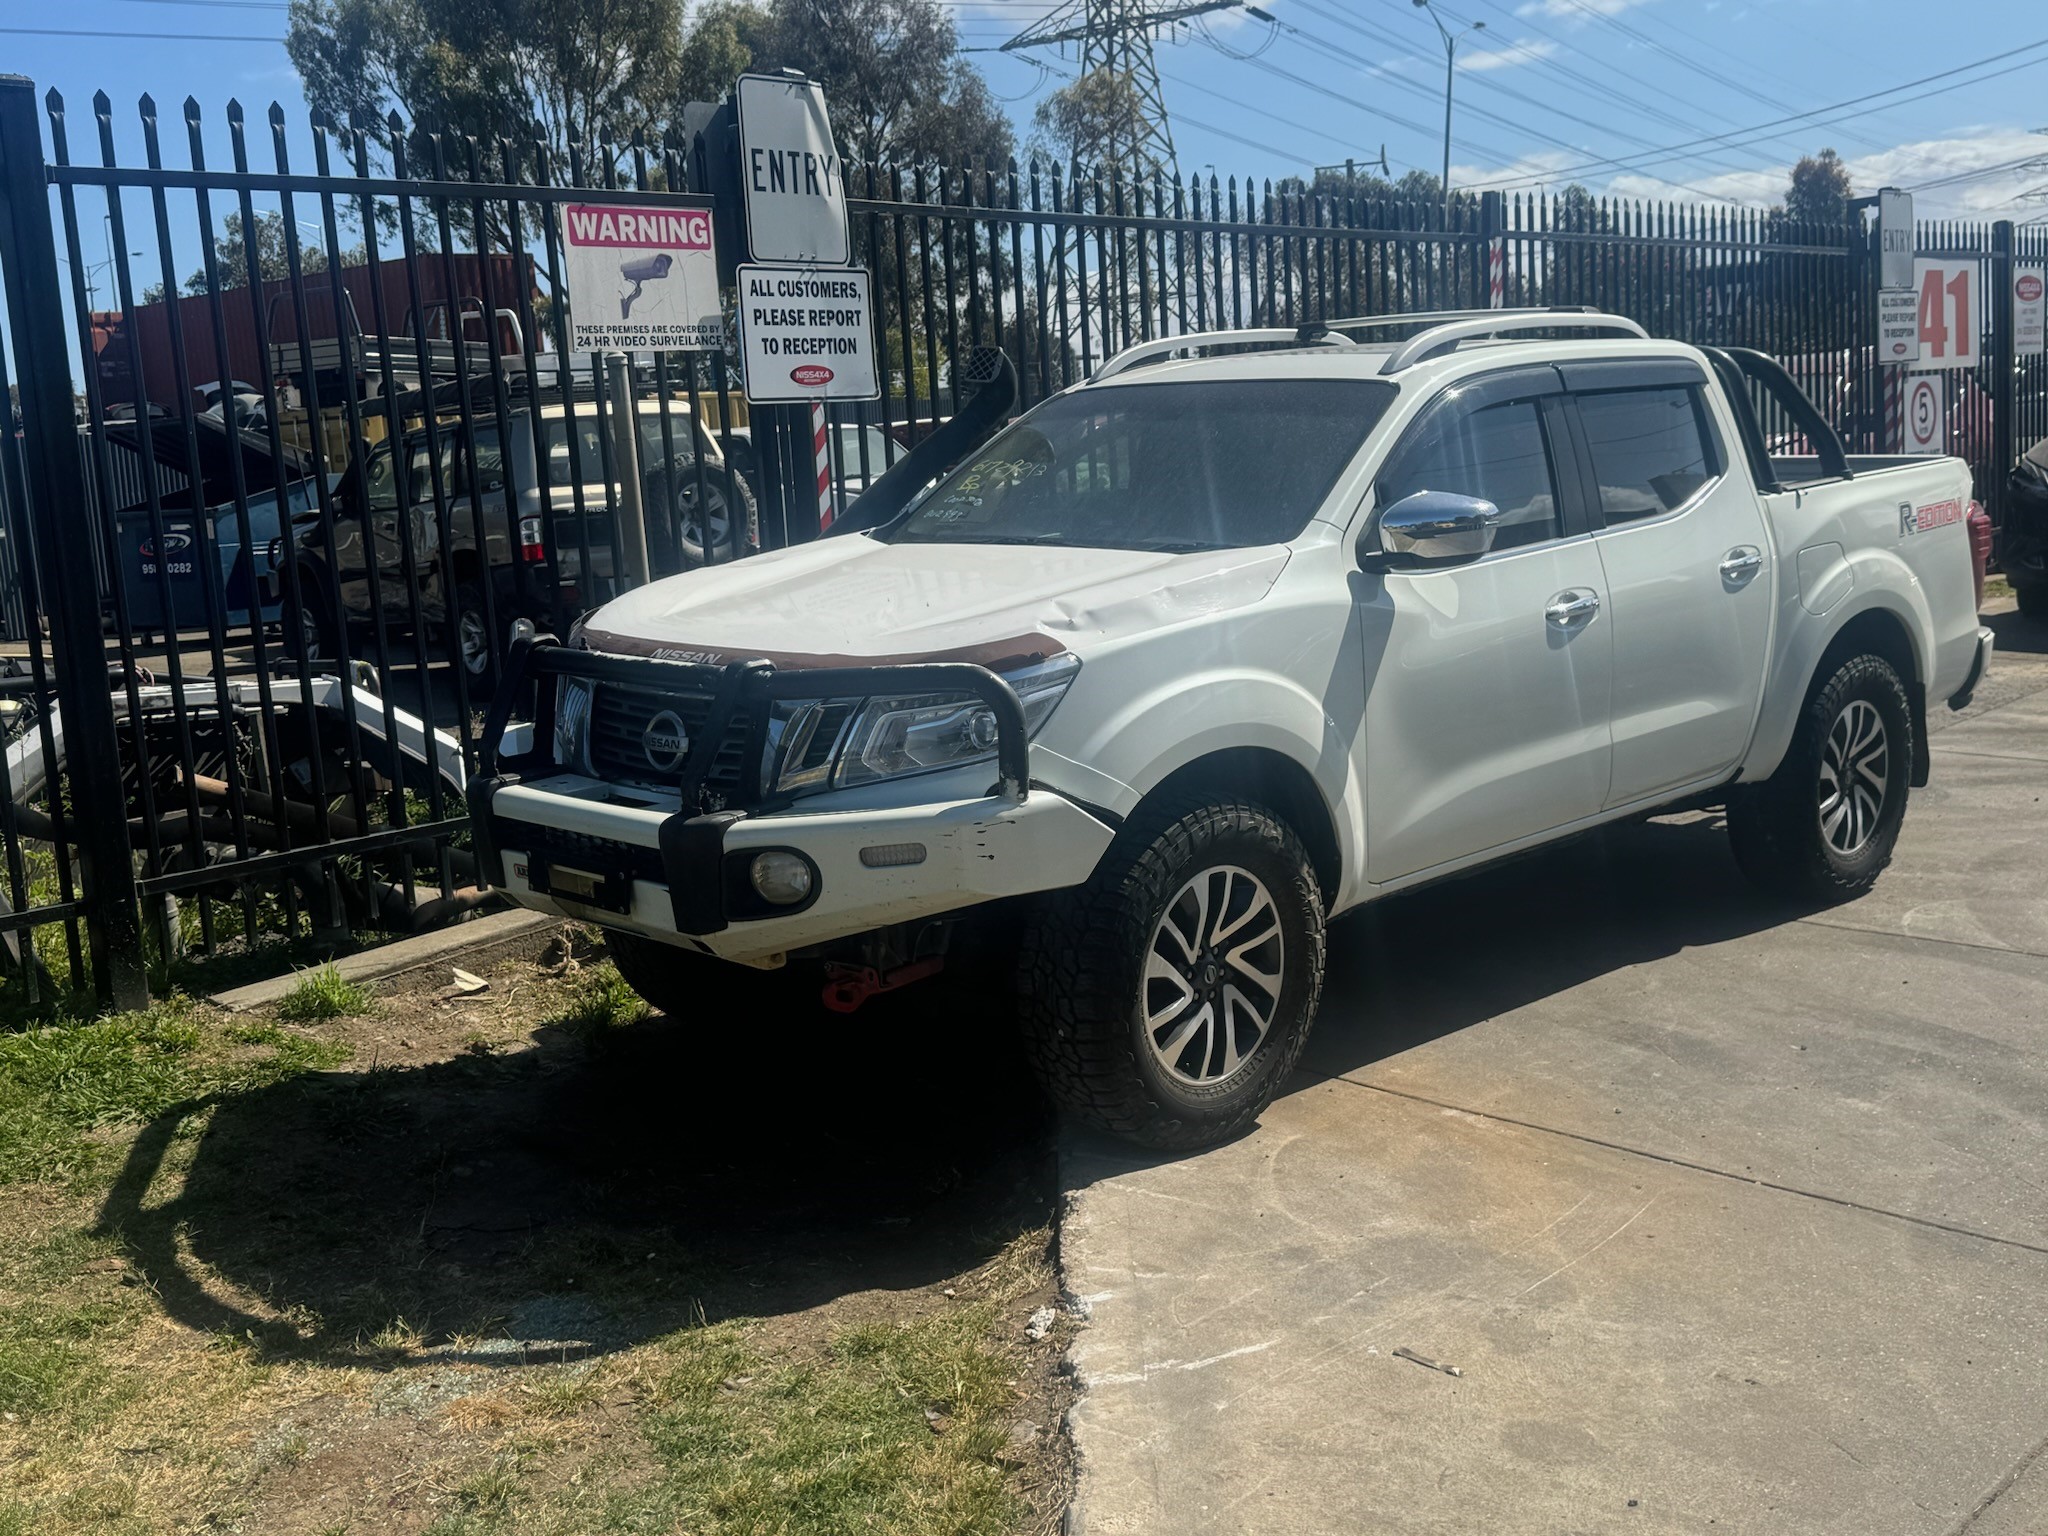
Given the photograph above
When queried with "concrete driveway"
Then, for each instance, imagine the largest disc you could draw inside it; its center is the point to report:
(1729, 1218)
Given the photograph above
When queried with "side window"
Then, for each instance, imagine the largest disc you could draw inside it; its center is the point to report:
(1651, 451)
(490, 460)
(1497, 453)
(380, 480)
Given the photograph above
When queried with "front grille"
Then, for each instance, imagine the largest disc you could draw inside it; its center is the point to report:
(619, 718)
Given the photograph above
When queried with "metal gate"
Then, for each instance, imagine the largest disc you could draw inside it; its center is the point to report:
(270, 525)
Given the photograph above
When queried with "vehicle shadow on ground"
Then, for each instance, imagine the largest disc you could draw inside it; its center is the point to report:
(2017, 634)
(594, 1192)
(1415, 967)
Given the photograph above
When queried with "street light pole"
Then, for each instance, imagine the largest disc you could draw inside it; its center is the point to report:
(1450, 74)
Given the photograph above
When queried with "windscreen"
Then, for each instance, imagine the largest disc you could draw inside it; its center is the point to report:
(1211, 464)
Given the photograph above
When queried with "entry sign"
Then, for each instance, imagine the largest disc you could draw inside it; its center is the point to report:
(1894, 238)
(1898, 325)
(807, 333)
(1951, 312)
(790, 172)
(2027, 312)
(1925, 430)
(641, 279)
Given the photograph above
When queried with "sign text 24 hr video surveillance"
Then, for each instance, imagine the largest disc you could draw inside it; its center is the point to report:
(807, 334)
(640, 279)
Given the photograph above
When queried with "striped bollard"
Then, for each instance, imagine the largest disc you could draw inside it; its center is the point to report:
(1496, 271)
(823, 456)
(1895, 410)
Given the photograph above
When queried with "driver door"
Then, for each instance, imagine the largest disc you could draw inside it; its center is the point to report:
(1486, 718)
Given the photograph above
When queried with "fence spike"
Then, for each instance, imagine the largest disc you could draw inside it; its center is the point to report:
(145, 107)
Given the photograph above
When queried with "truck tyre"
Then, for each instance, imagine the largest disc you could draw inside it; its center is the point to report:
(1168, 999)
(1822, 827)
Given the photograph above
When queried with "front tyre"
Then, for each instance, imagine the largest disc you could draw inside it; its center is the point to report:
(1822, 827)
(1168, 999)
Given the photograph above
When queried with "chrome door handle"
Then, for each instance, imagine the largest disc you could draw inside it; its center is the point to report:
(1742, 562)
(1572, 607)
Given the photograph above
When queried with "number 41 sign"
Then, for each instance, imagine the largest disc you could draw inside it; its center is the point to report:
(1951, 314)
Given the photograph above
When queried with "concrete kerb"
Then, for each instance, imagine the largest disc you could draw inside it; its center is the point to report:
(474, 941)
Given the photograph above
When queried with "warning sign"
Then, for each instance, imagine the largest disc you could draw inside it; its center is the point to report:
(807, 333)
(640, 279)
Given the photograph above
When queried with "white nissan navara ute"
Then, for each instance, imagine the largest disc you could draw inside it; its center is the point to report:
(1251, 628)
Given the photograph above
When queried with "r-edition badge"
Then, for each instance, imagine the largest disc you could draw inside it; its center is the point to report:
(665, 742)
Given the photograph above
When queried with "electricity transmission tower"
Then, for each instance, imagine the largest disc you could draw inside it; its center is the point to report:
(1116, 36)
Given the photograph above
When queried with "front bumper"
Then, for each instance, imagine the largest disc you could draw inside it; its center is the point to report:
(676, 867)
(566, 846)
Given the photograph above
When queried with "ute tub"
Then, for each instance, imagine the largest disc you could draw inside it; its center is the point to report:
(562, 841)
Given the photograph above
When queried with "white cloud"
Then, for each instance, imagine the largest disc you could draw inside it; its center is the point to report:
(1508, 55)
(1991, 196)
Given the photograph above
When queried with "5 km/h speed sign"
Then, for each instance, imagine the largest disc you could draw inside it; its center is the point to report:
(1926, 430)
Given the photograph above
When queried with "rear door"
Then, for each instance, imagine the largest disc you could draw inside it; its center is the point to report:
(1486, 704)
(1686, 560)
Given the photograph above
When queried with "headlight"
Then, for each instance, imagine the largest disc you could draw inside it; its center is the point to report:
(572, 723)
(895, 736)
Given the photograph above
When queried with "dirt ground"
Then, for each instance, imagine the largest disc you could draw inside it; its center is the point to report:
(526, 1262)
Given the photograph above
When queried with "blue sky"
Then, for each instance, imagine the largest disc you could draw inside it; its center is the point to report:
(1551, 90)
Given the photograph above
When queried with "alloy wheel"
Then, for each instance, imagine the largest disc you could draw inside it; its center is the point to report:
(1854, 770)
(1213, 974)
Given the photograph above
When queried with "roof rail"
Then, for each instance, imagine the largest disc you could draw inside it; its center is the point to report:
(1441, 316)
(1440, 338)
(1195, 343)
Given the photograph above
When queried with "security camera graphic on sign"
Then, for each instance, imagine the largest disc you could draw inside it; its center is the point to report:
(642, 269)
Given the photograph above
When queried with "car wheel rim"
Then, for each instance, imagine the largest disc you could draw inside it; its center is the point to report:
(695, 520)
(1854, 771)
(309, 635)
(1213, 973)
(475, 642)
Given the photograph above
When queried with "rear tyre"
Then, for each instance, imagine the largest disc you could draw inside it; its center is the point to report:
(1168, 999)
(474, 652)
(1823, 826)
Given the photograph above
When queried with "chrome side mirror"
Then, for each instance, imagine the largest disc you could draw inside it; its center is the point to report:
(1428, 528)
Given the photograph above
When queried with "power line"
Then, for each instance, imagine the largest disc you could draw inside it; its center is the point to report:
(1676, 151)
(154, 37)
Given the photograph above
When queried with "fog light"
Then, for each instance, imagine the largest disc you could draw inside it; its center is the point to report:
(892, 855)
(783, 878)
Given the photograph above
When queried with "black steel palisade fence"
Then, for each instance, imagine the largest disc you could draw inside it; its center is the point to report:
(269, 527)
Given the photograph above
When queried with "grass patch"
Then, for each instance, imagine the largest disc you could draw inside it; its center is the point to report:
(324, 993)
(603, 1001)
(62, 1084)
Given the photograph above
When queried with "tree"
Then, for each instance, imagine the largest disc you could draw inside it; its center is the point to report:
(1819, 191)
(893, 73)
(489, 67)
(231, 257)
(1094, 121)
